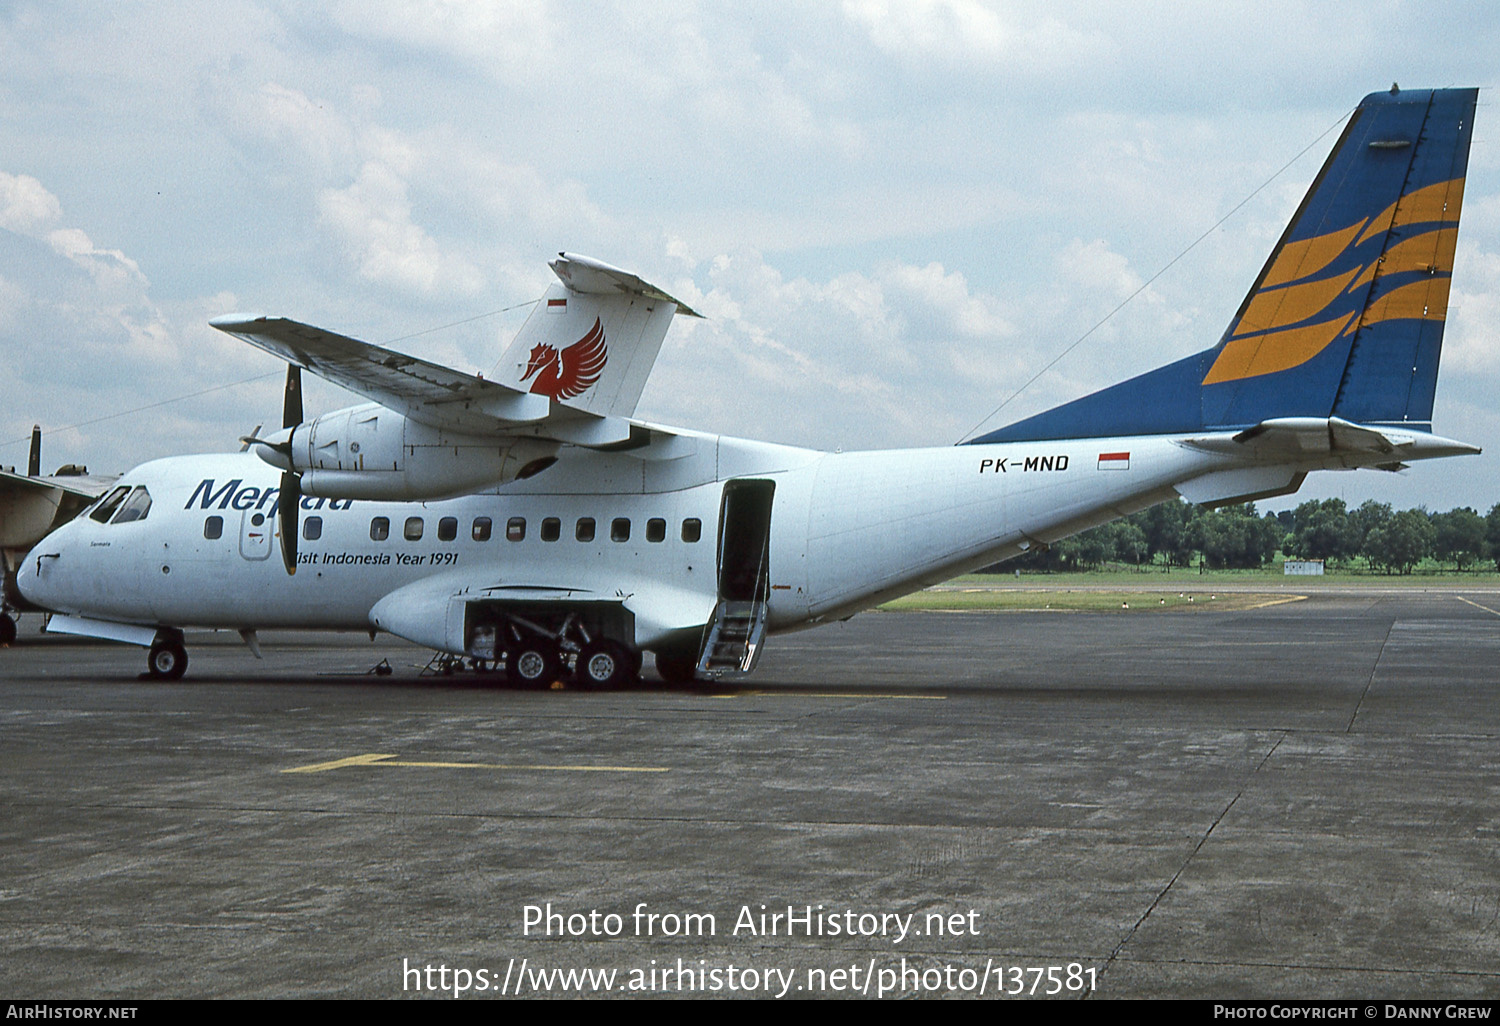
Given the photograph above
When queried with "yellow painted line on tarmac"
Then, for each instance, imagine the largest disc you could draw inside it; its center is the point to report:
(353, 760)
(391, 760)
(831, 694)
(1476, 605)
(1277, 601)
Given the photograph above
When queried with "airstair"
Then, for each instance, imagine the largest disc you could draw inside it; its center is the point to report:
(732, 641)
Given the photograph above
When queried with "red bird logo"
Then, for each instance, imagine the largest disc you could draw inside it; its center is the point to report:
(571, 371)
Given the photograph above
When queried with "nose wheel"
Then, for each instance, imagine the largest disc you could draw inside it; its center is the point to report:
(167, 659)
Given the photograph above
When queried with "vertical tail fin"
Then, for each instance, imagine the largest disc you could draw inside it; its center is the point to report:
(592, 340)
(1346, 318)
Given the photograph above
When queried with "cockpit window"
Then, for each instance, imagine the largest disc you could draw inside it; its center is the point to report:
(109, 504)
(136, 506)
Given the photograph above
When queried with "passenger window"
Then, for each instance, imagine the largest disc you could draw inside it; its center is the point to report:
(515, 529)
(413, 529)
(585, 530)
(551, 529)
(312, 528)
(380, 529)
(656, 530)
(447, 528)
(109, 504)
(213, 528)
(481, 530)
(692, 529)
(619, 529)
(136, 507)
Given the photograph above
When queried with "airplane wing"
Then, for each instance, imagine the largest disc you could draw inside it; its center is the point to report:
(30, 507)
(428, 393)
(573, 373)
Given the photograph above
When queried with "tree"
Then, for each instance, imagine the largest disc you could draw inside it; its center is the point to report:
(1130, 542)
(1459, 537)
(1370, 515)
(1492, 533)
(1166, 530)
(1234, 537)
(1323, 531)
(1403, 542)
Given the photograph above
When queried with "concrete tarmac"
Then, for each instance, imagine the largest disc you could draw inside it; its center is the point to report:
(1298, 800)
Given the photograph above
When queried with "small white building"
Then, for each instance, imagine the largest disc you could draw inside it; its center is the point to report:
(1303, 567)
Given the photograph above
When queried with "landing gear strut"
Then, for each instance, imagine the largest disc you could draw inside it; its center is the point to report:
(167, 659)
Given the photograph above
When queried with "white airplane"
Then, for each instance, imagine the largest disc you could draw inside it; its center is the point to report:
(31, 507)
(533, 521)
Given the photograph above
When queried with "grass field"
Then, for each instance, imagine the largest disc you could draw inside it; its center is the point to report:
(1126, 590)
(1189, 577)
(956, 598)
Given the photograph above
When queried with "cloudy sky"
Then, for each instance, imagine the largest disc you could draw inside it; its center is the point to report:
(892, 212)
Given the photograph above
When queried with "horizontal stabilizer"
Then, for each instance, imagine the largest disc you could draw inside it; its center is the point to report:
(1289, 439)
(594, 277)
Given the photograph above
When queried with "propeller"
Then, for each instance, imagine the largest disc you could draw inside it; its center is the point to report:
(289, 499)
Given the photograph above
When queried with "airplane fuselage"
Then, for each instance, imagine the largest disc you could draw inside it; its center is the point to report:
(847, 531)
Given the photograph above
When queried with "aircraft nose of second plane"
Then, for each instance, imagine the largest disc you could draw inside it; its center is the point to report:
(36, 577)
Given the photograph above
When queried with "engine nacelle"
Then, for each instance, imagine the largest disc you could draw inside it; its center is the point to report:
(373, 452)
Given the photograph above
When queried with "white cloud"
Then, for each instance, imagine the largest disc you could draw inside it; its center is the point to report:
(25, 206)
(892, 213)
(372, 217)
(971, 31)
(1473, 311)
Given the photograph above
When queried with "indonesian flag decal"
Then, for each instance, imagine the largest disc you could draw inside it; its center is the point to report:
(563, 374)
(1114, 461)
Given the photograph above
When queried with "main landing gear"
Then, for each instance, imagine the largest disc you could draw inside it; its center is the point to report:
(537, 650)
(167, 659)
(7, 629)
(601, 664)
(605, 665)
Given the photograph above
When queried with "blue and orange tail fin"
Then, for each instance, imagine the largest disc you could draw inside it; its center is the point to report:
(1346, 318)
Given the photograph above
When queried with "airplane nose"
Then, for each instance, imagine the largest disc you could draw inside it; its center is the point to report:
(33, 573)
(26, 581)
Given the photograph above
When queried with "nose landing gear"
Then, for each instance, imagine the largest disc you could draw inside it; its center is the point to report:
(167, 659)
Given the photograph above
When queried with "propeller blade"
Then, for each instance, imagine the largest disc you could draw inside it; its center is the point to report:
(250, 439)
(291, 403)
(288, 501)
